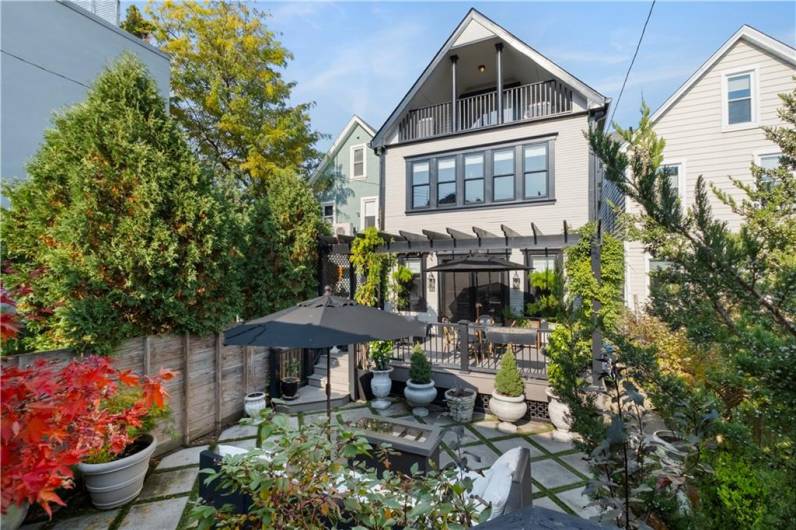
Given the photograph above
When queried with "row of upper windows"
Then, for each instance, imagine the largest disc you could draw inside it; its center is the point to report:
(515, 173)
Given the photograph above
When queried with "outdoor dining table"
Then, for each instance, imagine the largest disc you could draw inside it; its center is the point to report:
(507, 335)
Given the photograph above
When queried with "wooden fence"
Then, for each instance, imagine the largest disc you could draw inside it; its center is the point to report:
(218, 378)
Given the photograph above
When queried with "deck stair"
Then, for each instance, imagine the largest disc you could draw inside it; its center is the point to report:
(312, 398)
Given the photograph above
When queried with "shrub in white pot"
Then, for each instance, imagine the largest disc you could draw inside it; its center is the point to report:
(559, 412)
(420, 390)
(508, 399)
(381, 384)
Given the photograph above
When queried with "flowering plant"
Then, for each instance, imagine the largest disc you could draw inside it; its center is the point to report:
(53, 418)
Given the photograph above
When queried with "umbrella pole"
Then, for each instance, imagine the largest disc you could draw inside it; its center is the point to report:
(329, 389)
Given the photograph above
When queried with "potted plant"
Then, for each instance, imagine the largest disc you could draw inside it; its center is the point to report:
(419, 390)
(461, 402)
(558, 411)
(400, 286)
(289, 383)
(115, 468)
(66, 415)
(381, 384)
(508, 399)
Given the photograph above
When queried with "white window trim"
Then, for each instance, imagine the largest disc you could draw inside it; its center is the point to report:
(362, 201)
(681, 179)
(324, 204)
(364, 162)
(755, 96)
(771, 151)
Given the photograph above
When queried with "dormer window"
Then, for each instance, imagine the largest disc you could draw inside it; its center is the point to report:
(358, 161)
(740, 107)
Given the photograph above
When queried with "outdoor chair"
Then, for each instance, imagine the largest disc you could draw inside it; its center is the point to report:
(506, 484)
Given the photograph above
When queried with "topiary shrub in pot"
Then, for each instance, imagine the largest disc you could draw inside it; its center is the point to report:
(380, 354)
(508, 399)
(419, 390)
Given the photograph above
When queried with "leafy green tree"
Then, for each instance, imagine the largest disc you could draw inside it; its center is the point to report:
(135, 23)
(370, 266)
(228, 91)
(117, 232)
(734, 295)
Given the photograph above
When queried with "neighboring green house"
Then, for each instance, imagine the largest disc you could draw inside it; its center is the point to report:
(349, 176)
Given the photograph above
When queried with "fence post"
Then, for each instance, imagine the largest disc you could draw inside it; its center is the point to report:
(147, 356)
(464, 350)
(246, 366)
(186, 389)
(218, 382)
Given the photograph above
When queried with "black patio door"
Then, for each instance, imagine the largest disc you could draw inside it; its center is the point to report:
(468, 295)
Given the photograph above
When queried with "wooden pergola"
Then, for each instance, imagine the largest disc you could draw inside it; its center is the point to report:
(453, 240)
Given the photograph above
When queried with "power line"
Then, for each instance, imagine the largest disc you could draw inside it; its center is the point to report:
(632, 61)
(40, 67)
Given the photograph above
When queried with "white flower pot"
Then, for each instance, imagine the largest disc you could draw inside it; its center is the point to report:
(14, 517)
(253, 403)
(420, 396)
(508, 409)
(115, 483)
(380, 385)
(558, 412)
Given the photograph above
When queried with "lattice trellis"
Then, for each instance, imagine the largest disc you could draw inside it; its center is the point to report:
(337, 274)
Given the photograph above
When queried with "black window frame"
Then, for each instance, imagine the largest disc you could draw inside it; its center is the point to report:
(526, 172)
(512, 175)
(431, 200)
(487, 154)
(454, 181)
(482, 178)
(421, 304)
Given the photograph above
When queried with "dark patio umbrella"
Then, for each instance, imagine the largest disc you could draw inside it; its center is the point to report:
(478, 264)
(323, 322)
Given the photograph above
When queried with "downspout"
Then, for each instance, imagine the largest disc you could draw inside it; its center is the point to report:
(382, 200)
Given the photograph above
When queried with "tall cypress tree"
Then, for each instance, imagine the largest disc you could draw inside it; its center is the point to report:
(118, 231)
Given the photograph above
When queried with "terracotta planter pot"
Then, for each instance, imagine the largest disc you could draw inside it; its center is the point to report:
(507, 408)
(380, 385)
(461, 407)
(419, 396)
(115, 483)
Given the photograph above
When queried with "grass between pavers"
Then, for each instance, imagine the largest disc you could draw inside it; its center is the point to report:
(185, 519)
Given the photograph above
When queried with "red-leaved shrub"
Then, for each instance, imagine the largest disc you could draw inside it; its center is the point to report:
(53, 418)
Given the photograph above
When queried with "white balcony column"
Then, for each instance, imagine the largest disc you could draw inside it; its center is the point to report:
(454, 106)
(499, 70)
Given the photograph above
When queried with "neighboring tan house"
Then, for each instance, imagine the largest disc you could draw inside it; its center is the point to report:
(713, 127)
(349, 173)
(486, 154)
(52, 51)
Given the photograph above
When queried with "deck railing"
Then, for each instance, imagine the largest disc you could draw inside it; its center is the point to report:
(520, 103)
(467, 347)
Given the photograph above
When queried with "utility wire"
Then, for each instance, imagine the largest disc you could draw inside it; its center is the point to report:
(632, 61)
(40, 67)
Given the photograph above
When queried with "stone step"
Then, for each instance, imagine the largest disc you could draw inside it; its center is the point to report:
(334, 362)
(320, 382)
(311, 399)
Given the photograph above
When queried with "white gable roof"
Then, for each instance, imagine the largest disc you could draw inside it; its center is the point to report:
(748, 33)
(339, 141)
(474, 27)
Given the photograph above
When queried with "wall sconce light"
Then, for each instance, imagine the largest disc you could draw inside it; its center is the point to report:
(482, 68)
(515, 281)
(432, 283)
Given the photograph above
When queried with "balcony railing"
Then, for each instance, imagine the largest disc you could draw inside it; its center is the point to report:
(521, 103)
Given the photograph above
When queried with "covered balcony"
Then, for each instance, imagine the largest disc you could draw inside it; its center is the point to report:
(484, 84)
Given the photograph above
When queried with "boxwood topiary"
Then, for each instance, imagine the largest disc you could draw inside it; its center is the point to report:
(508, 380)
(420, 368)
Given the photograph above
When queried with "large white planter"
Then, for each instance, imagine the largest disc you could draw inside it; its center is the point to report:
(508, 409)
(380, 385)
(420, 396)
(14, 517)
(113, 484)
(558, 412)
(253, 403)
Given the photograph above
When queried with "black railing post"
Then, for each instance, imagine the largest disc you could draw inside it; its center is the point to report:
(464, 350)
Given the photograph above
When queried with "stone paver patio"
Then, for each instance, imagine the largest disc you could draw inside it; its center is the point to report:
(558, 470)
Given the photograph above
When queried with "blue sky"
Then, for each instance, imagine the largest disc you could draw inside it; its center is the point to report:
(360, 57)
